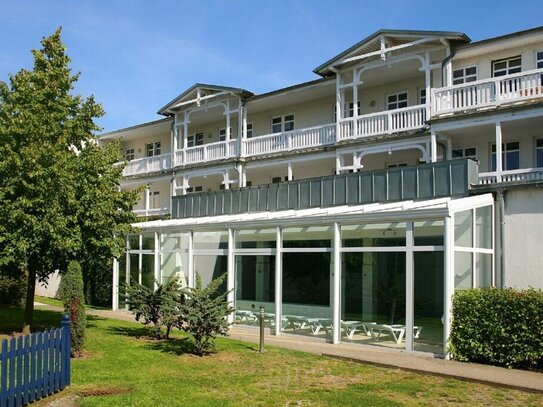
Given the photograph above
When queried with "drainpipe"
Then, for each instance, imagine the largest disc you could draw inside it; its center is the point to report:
(501, 226)
(445, 61)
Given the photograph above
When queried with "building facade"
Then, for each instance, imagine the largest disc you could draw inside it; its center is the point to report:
(352, 206)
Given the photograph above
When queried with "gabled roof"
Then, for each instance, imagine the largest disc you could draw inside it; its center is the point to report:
(373, 43)
(202, 86)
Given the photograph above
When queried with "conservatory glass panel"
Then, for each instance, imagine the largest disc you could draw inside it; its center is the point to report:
(373, 235)
(255, 238)
(173, 265)
(484, 270)
(428, 233)
(210, 240)
(255, 287)
(148, 271)
(373, 298)
(483, 227)
(428, 304)
(209, 268)
(463, 229)
(463, 270)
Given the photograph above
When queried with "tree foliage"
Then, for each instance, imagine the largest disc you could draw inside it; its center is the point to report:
(70, 292)
(203, 314)
(158, 307)
(59, 193)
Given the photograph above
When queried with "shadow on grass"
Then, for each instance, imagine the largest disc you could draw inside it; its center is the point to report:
(11, 320)
(131, 331)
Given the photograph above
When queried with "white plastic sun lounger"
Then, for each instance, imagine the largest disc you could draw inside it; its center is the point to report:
(397, 331)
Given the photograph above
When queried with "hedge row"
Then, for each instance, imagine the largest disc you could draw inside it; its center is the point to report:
(498, 326)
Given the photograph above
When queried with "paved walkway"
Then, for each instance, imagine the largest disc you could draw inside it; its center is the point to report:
(513, 378)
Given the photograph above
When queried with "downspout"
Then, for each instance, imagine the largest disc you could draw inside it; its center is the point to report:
(501, 225)
(445, 61)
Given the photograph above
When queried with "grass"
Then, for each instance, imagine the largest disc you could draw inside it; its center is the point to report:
(58, 303)
(123, 366)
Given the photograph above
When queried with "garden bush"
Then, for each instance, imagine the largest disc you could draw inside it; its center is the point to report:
(498, 326)
(12, 286)
(71, 293)
(203, 314)
(159, 307)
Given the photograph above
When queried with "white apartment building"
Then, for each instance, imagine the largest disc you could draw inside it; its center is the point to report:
(351, 206)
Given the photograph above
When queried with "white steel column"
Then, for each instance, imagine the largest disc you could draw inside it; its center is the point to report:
(355, 103)
(433, 147)
(427, 83)
(127, 269)
(230, 274)
(140, 260)
(146, 200)
(338, 106)
(156, 263)
(499, 163)
(242, 151)
(336, 284)
(226, 180)
(241, 175)
(289, 171)
(190, 261)
(115, 292)
(278, 279)
(448, 270)
(409, 287)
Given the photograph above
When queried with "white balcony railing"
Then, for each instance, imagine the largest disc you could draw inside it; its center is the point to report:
(391, 121)
(207, 152)
(147, 164)
(523, 174)
(151, 211)
(291, 140)
(488, 92)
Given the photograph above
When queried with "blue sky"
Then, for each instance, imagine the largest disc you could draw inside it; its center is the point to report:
(135, 56)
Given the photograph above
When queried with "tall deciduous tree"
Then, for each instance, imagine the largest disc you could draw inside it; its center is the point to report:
(59, 191)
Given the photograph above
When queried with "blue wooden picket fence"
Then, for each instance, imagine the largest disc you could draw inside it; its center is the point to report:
(35, 366)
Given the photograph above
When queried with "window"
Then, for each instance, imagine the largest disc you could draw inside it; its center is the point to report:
(397, 101)
(350, 110)
(248, 183)
(396, 165)
(190, 190)
(464, 75)
(506, 66)
(465, 152)
(539, 153)
(222, 134)
(510, 156)
(283, 123)
(152, 149)
(249, 130)
(276, 180)
(195, 140)
(422, 96)
(129, 154)
(154, 199)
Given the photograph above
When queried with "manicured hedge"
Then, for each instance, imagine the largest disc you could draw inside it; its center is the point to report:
(498, 326)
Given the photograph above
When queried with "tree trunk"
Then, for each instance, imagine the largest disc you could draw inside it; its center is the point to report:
(29, 303)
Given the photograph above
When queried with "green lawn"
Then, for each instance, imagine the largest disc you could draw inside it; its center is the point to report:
(124, 367)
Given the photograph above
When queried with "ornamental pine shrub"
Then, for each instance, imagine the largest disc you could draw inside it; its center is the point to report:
(159, 307)
(72, 295)
(203, 314)
(498, 326)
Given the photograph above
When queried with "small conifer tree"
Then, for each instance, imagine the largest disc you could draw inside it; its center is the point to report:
(203, 314)
(159, 307)
(72, 295)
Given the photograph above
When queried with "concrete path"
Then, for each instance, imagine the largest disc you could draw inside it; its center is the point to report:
(492, 375)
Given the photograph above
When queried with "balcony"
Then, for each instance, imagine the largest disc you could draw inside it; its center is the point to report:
(147, 165)
(207, 152)
(151, 212)
(291, 140)
(488, 93)
(521, 175)
(380, 123)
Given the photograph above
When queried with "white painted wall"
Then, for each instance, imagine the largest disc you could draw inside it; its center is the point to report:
(523, 238)
(49, 290)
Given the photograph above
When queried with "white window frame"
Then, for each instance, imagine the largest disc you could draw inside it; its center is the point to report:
(504, 155)
(507, 70)
(283, 123)
(349, 109)
(191, 190)
(154, 196)
(539, 59)
(129, 154)
(222, 134)
(537, 149)
(153, 149)
(464, 155)
(422, 96)
(249, 133)
(196, 139)
(388, 104)
(464, 77)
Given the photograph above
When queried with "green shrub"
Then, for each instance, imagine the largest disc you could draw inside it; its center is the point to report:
(203, 314)
(71, 293)
(159, 307)
(12, 286)
(498, 326)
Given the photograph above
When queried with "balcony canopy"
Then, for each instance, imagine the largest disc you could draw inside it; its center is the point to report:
(382, 42)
